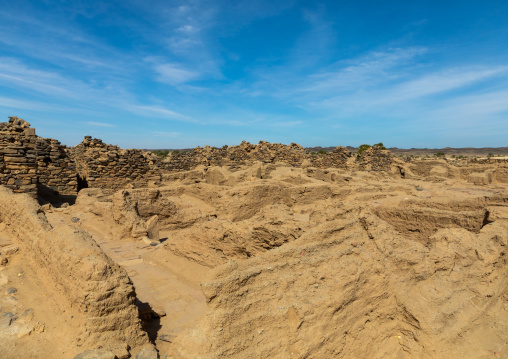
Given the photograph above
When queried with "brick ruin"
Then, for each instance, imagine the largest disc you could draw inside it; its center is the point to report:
(31, 164)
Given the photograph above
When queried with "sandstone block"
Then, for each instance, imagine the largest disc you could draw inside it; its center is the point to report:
(152, 228)
(96, 354)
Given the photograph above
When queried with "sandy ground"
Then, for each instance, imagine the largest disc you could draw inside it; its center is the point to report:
(171, 289)
(41, 316)
(281, 262)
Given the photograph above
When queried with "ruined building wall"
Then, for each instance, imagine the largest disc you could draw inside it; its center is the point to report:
(18, 152)
(55, 168)
(375, 159)
(27, 160)
(247, 153)
(110, 167)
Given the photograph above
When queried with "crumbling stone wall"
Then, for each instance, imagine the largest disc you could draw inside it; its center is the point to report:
(18, 152)
(375, 159)
(247, 153)
(55, 168)
(110, 167)
(27, 160)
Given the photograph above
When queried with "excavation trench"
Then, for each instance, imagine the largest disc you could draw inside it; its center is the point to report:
(168, 294)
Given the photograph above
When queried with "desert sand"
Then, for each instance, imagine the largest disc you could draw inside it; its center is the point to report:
(265, 260)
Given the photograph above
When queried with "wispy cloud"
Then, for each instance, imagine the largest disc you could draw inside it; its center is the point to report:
(99, 124)
(441, 81)
(161, 112)
(174, 74)
(286, 124)
(222, 66)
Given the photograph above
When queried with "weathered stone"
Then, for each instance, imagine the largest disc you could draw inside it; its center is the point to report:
(96, 354)
(6, 320)
(152, 228)
(147, 353)
(11, 290)
(10, 250)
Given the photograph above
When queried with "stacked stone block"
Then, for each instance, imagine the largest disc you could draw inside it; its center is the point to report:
(55, 168)
(110, 167)
(18, 151)
(247, 153)
(375, 159)
(27, 160)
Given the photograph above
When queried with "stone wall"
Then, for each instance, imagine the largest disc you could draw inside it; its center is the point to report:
(18, 156)
(55, 167)
(247, 153)
(375, 159)
(27, 160)
(110, 167)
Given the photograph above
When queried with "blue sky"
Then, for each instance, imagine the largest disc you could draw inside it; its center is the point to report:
(176, 74)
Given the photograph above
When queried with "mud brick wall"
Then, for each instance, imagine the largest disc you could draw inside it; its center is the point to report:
(110, 167)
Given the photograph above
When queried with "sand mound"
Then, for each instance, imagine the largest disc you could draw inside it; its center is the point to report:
(385, 260)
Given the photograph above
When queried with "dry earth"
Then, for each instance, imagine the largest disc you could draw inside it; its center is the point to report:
(271, 261)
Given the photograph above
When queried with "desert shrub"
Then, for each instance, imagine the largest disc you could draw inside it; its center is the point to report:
(439, 154)
(362, 148)
(161, 153)
(380, 144)
(322, 152)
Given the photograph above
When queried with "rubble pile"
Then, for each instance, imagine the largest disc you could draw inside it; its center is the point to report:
(247, 153)
(375, 159)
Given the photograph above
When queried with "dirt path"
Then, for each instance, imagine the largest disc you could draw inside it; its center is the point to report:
(163, 289)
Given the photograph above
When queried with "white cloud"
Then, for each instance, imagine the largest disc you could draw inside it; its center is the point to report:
(439, 82)
(99, 124)
(189, 29)
(160, 111)
(174, 74)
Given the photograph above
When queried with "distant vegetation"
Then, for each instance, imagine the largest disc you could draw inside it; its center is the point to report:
(366, 147)
(363, 148)
(161, 153)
